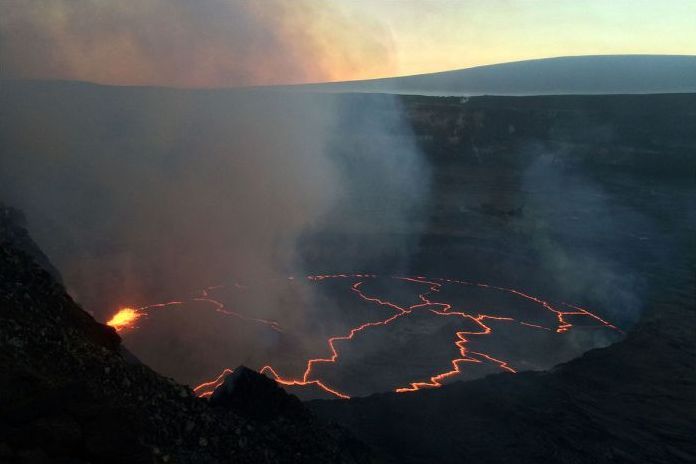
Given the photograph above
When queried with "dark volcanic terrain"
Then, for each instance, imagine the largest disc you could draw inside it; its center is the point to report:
(584, 199)
(589, 196)
(70, 393)
(633, 402)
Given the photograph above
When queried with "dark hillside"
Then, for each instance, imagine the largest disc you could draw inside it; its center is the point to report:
(68, 393)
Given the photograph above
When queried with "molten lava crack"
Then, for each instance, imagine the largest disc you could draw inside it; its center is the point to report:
(126, 318)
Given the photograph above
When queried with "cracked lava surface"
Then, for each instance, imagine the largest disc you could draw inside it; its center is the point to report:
(559, 318)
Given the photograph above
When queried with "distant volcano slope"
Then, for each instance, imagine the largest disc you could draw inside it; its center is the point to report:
(69, 393)
(603, 74)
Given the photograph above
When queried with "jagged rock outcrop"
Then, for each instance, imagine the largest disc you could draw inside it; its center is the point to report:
(256, 396)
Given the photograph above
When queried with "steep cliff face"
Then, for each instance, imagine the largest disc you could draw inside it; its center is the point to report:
(67, 391)
(13, 229)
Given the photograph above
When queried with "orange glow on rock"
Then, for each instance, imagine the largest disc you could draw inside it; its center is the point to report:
(206, 389)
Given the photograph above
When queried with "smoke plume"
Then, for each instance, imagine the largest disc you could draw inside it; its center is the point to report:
(209, 43)
(146, 195)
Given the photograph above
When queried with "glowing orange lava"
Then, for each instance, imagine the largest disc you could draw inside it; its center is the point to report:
(126, 317)
(220, 307)
(206, 389)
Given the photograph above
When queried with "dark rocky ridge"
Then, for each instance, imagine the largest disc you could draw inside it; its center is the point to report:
(13, 224)
(67, 393)
(254, 395)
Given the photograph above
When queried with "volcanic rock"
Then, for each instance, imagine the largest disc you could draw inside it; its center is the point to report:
(13, 227)
(70, 393)
(254, 395)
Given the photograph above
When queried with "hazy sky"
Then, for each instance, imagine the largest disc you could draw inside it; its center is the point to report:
(245, 42)
(447, 34)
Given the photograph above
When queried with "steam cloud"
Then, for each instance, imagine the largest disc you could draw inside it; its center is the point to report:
(561, 229)
(182, 43)
(144, 195)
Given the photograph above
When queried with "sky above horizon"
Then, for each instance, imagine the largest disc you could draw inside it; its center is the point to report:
(210, 43)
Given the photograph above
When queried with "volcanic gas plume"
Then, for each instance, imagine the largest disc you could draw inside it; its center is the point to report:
(472, 325)
(178, 43)
(260, 185)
